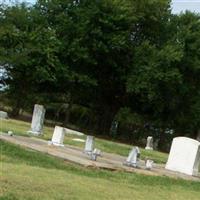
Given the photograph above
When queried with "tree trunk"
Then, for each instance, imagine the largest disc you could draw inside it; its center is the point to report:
(161, 143)
(17, 107)
(105, 120)
(67, 111)
(15, 111)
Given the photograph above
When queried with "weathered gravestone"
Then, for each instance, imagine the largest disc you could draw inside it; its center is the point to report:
(3, 115)
(89, 144)
(184, 156)
(149, 145)
(58, 136)
(133, 157)
(37, 120)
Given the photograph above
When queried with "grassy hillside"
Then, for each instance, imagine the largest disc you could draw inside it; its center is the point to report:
(21, 128)
(29, 175)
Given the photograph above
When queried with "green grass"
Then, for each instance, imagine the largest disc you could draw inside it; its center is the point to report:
(21, 128)
(30, 175)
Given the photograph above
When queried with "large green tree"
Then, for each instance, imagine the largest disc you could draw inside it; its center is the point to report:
(96, 52)
(28, 52)
(106, 58)
(187, 119)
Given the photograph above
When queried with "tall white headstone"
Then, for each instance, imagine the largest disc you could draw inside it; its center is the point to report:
(184, 156)
(37, 120)
(149, 145)
(58, 136)
(3, 115)
(89, 144)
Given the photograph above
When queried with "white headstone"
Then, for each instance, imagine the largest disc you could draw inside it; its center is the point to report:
(133, 157)
(149, 164)
(37, 120)
(184, 156)
(3, 115)
(149, 145)
(58, 136)
(89, 144)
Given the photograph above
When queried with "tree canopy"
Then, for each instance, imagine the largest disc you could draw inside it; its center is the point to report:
(101, 62)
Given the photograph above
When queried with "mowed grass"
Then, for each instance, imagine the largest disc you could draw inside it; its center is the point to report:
(21, 128)
(30, 175)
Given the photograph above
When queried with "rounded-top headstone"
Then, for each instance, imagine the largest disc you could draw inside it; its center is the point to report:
(149, 145)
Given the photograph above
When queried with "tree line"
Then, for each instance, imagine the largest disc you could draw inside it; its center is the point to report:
(124, 68)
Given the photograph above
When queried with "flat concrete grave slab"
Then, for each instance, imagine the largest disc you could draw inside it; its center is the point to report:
(75, 155)
(184, 156)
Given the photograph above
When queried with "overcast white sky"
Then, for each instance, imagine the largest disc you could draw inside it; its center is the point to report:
(177, 5)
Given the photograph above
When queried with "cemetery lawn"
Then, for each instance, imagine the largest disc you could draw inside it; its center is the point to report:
(21, 128)
(30, 175)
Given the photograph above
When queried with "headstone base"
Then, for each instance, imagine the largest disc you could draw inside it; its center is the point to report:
(148, 148)
(55, 144)
(34, 133)
(134, 165)
(87, 152)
